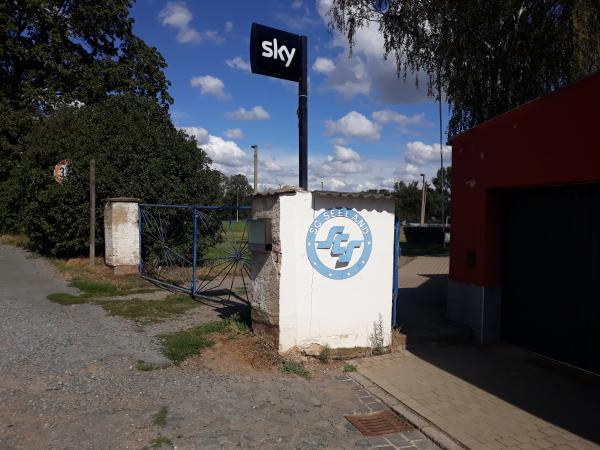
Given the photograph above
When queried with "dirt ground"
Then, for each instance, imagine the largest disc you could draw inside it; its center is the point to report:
(68, 380)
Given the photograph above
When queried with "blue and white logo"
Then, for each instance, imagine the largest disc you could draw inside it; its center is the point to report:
(338, 243)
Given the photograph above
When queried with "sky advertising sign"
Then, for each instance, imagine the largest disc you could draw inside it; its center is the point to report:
(279, 54)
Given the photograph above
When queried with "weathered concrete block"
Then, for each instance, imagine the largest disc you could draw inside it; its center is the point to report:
(121, 235)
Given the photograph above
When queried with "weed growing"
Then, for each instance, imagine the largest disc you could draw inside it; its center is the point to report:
(160, 441)
(325, 355)
(296, 368)
(160, 417)
(146, 366)
(349, 367)
(179, 345)
(376, 338)
(96, 288)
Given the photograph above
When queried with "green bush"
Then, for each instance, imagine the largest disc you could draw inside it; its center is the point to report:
(138, 153)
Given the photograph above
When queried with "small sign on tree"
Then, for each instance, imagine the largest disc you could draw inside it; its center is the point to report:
(61, 170)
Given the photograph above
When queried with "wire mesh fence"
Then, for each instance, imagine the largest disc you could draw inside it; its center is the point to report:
(200, 250)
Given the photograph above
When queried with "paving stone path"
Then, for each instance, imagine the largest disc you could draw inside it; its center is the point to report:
(499, 398)
(68, 381)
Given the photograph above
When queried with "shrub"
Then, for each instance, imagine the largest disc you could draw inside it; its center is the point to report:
(138, 153)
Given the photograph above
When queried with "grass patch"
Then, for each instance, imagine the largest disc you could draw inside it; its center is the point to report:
(96, 288)
(18, 240)
(160, 417)
(349, 368)
(179, 345)
(66, 299)
(160, 440)
(149, 311)
(296, 368)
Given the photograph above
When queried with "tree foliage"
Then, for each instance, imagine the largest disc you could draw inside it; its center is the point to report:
(61, 52)
(488, 56)
(138, 153)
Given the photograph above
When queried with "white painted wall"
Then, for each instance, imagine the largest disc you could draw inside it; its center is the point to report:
(340, 313)
(121, 234)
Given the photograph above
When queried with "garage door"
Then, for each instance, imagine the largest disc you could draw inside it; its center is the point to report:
(551, 272)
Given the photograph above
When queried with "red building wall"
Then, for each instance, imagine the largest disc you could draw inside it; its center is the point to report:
(552, 140)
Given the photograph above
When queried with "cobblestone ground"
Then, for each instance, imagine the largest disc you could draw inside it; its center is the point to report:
(68, 381)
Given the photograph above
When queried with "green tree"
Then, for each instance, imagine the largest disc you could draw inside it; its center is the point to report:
(138, 153)
(407, 197)
(488, 56)
(237, 190)
(62, 52)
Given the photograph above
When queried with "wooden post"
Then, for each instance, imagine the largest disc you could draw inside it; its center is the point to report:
(92, 211)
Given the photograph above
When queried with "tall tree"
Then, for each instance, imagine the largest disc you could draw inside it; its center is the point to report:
(488, 56)
(237, 190)
(61, 52)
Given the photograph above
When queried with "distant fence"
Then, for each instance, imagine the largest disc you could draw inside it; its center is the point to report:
(196, 249)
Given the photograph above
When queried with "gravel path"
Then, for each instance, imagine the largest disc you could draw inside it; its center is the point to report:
(67, 381)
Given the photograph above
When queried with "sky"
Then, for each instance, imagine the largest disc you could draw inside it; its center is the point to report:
(367, 128)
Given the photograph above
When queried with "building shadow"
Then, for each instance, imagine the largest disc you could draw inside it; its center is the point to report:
(558, 394)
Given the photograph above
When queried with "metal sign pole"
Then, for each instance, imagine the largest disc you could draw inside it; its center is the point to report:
(303, 118)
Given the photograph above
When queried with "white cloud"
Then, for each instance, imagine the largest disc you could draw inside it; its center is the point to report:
(256, 113)
(402, 121)
(234, 133)
(213, 35)
(210, 85)
(353, 124)
(271, 166)
(297, 4)
(178, 16)
(228, 26)
(418, 153)
(238, 63)
(344, 154)
(368, 73)
(323, 65)
(342, 162)
(199, 133)
(222, 152)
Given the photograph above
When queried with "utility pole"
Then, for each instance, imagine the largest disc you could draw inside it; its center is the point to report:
(423, 200)
(322, 185)
(442, 155)
(255, 147)
(92, 211)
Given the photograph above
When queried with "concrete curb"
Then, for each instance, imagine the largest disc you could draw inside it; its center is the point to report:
(436, 434)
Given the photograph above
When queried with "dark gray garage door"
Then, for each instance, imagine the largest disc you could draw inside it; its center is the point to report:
(551, 272)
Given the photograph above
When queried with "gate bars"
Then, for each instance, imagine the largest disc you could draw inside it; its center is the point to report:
(199, 250)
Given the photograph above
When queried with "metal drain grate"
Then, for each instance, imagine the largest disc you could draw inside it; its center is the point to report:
(379, 423)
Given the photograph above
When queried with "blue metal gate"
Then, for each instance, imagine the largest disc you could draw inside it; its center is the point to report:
(196, 249)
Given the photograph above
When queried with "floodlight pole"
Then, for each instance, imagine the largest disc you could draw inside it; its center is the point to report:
(303, 117)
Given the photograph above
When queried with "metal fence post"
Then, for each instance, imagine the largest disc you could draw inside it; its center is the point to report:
(195, 219)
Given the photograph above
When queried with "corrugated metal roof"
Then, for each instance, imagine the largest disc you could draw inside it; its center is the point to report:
(293, 189)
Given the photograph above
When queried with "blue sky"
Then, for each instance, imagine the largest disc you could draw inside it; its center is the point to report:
(367, 128)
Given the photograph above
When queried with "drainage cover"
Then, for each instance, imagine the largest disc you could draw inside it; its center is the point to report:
(379, 423)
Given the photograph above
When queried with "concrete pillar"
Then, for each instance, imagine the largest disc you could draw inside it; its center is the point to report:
(121, 235)
(326, 278)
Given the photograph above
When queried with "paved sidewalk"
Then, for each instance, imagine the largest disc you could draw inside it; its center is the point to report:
(500, 398)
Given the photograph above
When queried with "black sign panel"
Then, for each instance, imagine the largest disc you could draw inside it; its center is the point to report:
(275, 53)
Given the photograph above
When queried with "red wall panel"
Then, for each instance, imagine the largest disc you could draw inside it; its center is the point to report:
(552, 140)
